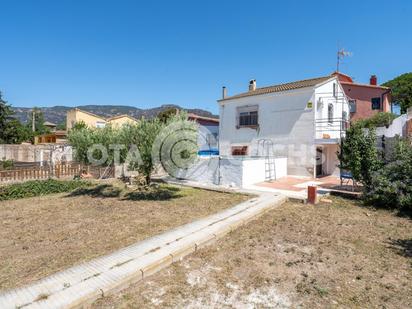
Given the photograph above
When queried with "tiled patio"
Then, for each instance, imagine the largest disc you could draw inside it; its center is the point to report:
(300, 184)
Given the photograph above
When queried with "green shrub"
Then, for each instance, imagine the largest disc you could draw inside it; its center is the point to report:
(380, 119)
(38, 188)
(358, 154)
(391, 186)
(6, 164)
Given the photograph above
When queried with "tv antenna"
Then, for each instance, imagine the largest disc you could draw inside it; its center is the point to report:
(342, 53)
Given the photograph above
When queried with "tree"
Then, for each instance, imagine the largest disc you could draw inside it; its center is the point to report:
(401, 90)
(61, 126)
(39, 127)
(5, 117)
(165, 115)
(12, 131)
(358, 154)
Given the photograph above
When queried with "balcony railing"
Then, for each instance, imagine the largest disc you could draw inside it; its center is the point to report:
(331, 128)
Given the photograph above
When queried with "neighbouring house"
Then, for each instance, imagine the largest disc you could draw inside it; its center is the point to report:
(50, 125)
(302, 121)
(208, 133)
(365, 100)
(94, 121)
(54, 137)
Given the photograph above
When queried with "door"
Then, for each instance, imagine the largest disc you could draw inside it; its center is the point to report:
(319, 155)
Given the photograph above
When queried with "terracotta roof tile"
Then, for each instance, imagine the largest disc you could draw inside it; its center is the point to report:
(279, 88)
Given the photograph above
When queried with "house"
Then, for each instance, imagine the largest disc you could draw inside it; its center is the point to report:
(50, 125)
(54, 137)
(94, 121)
(303, 121)
(365, 100)
(208, 133)
(118, 121)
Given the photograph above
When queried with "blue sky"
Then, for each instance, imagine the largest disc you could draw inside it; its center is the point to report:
(150, 53)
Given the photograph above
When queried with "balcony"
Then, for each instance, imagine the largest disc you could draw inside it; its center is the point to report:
(330, 131)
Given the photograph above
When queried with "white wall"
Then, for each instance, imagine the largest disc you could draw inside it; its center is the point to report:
(398, 127)
(283, 117)
(235, 172)
(323, 97)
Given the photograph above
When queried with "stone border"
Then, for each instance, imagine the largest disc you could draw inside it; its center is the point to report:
(83, 284)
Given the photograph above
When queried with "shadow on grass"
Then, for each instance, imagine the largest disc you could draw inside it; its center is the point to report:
(104, 190)
(160, 193)
(402, 246)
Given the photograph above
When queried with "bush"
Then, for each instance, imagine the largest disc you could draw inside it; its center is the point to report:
(358, 154)
(6, 164)
(380, 119)
(391, 186)
(39, 187)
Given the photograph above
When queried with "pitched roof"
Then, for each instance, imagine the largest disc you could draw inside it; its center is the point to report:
(195, 117)
(281, 87)
(121, 116)
(49, 124)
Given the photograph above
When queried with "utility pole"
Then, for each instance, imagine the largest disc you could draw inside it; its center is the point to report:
(33, 121)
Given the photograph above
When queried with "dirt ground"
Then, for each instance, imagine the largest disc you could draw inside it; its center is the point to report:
(333, 255)
(40, 236)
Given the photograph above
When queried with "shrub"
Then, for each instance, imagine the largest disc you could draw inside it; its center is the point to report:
(38, 188)
(391, 186)
(358, 154)
(6, 164)
(380, 119)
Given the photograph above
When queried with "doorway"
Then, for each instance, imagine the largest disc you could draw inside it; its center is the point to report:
(319, 163)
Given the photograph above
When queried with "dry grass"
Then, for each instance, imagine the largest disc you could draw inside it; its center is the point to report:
(335, 255)
(42, 235)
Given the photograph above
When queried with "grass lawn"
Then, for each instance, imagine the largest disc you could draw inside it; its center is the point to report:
(42, 235)
(332, 255)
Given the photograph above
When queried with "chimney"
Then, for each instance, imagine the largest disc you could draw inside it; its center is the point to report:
(224, 92)
(373, 80)
(252, 85)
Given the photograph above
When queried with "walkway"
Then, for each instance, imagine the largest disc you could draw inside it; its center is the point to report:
(82, 284)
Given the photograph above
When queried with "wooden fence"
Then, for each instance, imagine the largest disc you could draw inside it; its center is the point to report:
(42, 172)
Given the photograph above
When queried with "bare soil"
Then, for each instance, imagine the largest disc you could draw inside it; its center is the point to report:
(40, 236)
(332, 255)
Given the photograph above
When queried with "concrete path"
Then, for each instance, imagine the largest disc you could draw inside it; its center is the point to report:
(83, 284)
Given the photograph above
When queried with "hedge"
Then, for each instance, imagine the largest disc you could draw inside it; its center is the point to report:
(39, 187)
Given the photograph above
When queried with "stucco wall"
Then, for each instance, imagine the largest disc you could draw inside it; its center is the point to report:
(363, 95)
(233, 172)
(398, 127)
(75, 115)
(283, 117)
(36, 153)
(118, 122)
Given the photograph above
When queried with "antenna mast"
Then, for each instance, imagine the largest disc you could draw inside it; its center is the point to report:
(342, 53)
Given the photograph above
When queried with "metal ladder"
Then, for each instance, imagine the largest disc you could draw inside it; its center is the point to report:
(265, 148)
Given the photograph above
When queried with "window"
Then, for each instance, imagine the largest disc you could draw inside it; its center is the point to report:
(345, 120)
(376, 103)
(330, 113)
(239, 150)
(335, 90)
(247, 116)
(100, 124)
(248, 119)
(352, 106)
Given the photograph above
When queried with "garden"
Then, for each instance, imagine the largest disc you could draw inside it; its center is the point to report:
(50, 225)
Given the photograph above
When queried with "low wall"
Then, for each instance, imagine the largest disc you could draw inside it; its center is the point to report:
(36, 153)
(231, 172)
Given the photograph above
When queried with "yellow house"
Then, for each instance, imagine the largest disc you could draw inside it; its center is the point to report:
(118, 121)
(95, 121)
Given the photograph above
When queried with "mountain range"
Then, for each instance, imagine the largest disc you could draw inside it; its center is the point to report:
(57, 114)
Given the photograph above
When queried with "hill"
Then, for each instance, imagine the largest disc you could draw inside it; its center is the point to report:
(57, 114)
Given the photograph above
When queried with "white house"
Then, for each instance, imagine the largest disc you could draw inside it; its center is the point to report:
(302, 121)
